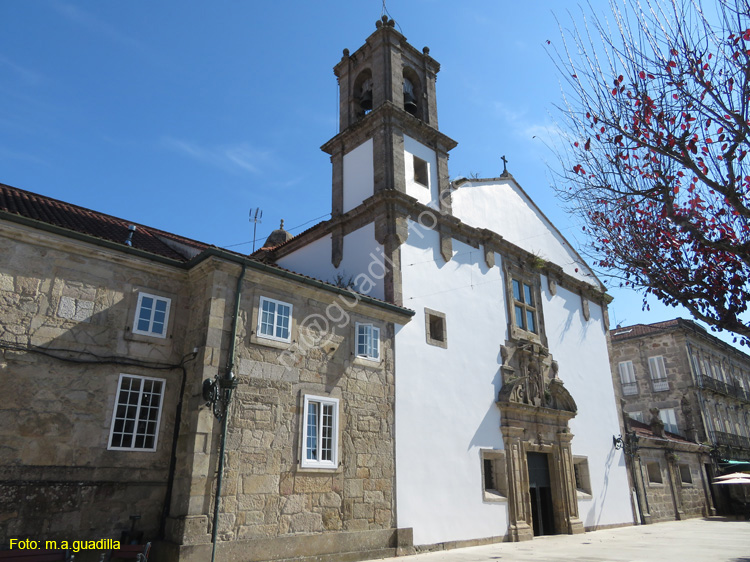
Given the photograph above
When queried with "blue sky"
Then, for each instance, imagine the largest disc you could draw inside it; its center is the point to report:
(184, 115)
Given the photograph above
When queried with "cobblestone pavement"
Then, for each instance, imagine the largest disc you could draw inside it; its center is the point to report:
(696, 540)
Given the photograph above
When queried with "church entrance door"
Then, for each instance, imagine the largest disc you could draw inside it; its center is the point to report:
(540, 490)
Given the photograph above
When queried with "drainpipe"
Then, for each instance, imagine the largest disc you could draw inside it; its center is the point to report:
(175, 439)
(226, 385)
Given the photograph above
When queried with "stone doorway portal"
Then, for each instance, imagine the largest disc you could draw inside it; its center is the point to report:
(535, 409)
(540, 492)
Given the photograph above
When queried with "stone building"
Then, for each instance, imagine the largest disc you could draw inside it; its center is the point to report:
(697, 386)
(668, 472)
(505, 409)
(113, 337)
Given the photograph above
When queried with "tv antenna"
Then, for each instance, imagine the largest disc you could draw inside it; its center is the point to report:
(255, 216)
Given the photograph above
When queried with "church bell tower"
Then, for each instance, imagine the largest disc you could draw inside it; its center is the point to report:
(389, 137)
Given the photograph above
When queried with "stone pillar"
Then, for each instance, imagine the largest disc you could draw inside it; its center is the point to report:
(519, 502)
(573, 524)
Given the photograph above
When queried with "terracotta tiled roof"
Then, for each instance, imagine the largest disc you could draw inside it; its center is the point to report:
(644, 430)
(85, 221)
(106, 227)
(645, 329)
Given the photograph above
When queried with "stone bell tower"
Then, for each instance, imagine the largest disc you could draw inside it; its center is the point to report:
(387, 113)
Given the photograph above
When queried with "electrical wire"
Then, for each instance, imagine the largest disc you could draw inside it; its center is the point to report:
(262, 237)
(56, 353)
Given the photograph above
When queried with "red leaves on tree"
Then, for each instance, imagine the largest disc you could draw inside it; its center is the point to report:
(662, 182)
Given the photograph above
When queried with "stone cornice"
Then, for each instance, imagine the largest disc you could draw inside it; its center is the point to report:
(392, 201)
(388, 112)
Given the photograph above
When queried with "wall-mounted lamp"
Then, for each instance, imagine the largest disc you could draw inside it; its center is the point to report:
(629, 444)
(218, 392)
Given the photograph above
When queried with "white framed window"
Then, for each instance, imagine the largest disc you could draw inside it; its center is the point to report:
(658, 373)
(151, 315)
(320, 432)
(524, 306)
(137, 413)
(668, 416)
(274, 320)
(627, 378)
(368, 341)
(637, 416)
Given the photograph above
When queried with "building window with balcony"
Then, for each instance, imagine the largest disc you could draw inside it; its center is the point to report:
(658, 373)
(627, 378)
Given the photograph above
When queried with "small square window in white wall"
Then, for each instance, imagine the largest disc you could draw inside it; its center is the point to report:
(368, 341)
(320, 432)
(274, 320)
(421, 173)
(151, 315)
(135, 420)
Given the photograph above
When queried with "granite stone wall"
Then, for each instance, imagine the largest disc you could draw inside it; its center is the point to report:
(266, 494)
(66, 313)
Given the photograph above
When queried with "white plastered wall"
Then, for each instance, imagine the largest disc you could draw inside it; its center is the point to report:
(359, 176)
(445, 410)
(425, 195)
(445, 398)
(362, 261)
(580, 348)
(503, 207)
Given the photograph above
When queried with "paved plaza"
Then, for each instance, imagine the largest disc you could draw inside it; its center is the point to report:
(695, 540)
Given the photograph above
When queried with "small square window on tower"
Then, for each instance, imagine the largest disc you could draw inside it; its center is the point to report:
(435, 328)
(421, 175)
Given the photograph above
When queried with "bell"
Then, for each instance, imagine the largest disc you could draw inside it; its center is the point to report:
(365, 101)
(410, 103)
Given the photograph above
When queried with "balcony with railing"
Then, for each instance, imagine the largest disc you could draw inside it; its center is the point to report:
(629, 388)
(734, 390)
(660, 384)
(732, 440)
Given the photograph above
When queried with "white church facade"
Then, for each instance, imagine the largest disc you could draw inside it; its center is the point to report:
(505, 408)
